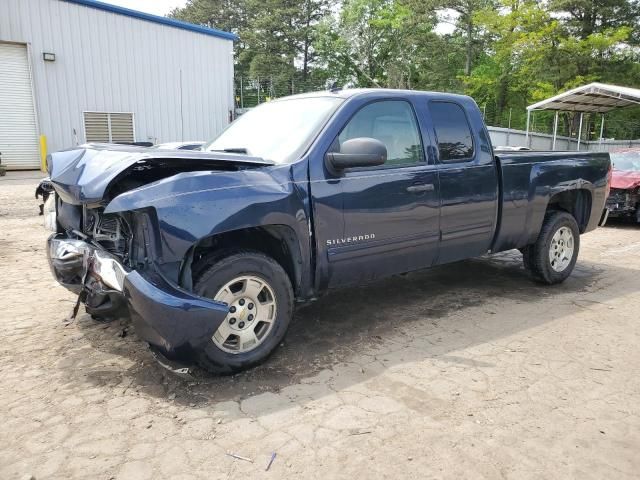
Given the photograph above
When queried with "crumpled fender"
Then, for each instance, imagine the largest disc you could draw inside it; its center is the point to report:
(194, 205)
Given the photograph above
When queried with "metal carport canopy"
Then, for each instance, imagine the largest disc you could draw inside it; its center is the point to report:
(592, 98)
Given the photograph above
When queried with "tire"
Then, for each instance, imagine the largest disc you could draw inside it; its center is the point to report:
(527, 259)
(558, 229)
(229, 351)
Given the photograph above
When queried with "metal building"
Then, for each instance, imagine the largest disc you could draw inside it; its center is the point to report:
(76, 71)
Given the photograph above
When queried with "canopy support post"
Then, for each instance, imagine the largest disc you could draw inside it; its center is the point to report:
(526, 136)
(601, 132)
(580, 131)
(555, 131)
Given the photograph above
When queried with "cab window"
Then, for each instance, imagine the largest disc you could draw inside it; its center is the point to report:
(455, 142)
(394, 124)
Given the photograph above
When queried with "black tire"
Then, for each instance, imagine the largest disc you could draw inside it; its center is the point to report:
(217, 274)
(527, 258)
(536, 256)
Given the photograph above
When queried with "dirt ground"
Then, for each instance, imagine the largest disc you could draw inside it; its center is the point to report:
(463, 371)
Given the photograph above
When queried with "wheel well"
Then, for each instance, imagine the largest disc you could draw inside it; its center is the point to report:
(575, 202)
(276, 241)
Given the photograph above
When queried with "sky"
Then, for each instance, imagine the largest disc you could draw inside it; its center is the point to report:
(156, 7)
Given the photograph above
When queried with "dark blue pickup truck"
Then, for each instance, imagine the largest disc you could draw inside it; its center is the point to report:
(209, 251)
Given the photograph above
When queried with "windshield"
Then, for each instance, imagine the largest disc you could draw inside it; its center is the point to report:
(629, 161)
(279, 131)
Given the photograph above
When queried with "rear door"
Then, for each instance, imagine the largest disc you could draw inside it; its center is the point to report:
(468, 179)
(389, 212)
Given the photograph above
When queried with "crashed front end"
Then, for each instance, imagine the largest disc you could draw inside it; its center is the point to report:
(624, 203)
(112, 261)
(107, 262)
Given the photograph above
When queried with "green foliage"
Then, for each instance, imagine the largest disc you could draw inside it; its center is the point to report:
(507, 54)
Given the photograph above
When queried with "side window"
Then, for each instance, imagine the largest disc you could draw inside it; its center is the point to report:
(455, 142)
(394, 124)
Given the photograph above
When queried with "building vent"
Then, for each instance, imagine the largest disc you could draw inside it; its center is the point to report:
(103, 127)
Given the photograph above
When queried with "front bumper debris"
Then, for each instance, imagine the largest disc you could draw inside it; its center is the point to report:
(173, 366)
(164, 315)
(66, 260)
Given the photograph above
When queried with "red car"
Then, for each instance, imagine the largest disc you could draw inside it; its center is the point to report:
(624, 199)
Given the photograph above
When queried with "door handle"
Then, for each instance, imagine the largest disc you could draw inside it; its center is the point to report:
(423, 187)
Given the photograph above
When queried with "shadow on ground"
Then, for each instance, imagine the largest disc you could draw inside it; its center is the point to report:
(360, 321)
(622, 223)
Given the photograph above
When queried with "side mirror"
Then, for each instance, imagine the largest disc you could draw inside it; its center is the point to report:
(358, 152)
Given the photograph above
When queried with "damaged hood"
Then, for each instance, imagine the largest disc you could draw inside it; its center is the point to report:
(625, 180)
(83, 174)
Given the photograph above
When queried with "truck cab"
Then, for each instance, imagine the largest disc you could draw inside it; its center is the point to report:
(434, 200)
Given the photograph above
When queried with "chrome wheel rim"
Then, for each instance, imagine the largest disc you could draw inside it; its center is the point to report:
(251, 314)
(561, 249)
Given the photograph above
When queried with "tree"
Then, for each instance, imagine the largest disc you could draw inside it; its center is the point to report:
(228, 15)
(311, 14)
(373, 43)
(532, 53)
(505, 53)
(276, 36)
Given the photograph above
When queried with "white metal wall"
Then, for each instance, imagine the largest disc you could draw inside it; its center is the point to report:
(178, 83)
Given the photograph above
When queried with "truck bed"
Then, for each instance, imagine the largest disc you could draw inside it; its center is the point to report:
(531, 180)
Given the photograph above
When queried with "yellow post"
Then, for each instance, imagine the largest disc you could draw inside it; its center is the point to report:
(43, 153)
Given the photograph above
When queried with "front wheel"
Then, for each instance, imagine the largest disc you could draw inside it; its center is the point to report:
(552, 258)
(258, 293)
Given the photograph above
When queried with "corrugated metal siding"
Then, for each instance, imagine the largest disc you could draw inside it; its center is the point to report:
(178, 84)
(18, 131)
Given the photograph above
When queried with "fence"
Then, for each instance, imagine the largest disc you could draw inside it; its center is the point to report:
(252, 91)
(541, 141)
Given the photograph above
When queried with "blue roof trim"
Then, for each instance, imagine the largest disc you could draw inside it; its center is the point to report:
(107, 7)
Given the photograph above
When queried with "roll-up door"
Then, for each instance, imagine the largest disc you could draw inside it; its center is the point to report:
(18, 130)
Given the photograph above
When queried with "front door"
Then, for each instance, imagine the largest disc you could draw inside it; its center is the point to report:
(390, 213)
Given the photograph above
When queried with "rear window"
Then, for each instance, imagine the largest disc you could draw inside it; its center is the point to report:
(455, 142)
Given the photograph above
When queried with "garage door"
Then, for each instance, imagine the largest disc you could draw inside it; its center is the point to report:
(18, 131)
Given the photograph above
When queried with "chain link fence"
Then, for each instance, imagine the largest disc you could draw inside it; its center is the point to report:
(252, 91)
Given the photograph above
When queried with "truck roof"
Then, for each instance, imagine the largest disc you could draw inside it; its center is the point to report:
(356, 92)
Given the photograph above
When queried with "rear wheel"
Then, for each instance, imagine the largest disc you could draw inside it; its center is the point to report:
(552, 258)
(258, 293)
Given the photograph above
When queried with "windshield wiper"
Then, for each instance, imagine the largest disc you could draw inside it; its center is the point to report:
(232, 150)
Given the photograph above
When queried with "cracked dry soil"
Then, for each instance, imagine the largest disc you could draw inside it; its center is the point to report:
(464, 371)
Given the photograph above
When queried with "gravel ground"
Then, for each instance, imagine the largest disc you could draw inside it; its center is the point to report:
(464, 371)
